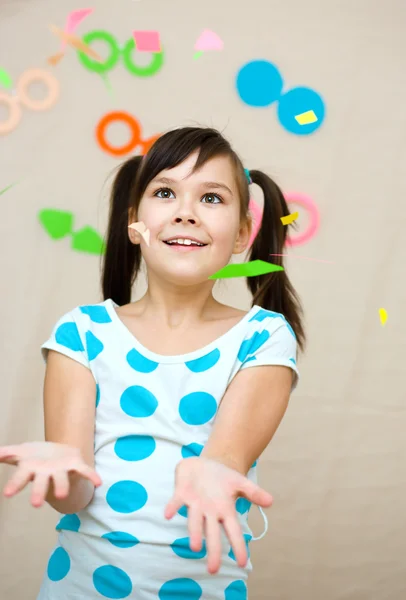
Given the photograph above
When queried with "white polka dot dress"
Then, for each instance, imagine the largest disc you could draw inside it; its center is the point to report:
(151, 411)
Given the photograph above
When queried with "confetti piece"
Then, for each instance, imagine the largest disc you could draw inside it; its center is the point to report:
(306, 258)
(3, 191)
(198, 54)
(147, 41)
(289, 218)
(140, 227)
(88, 240)
(250, 269)
(56, 58)
(5, 79)
(306, 118)
(75, 42)
(208, 40)
(383, 315)
(75, 17)
(57, 223)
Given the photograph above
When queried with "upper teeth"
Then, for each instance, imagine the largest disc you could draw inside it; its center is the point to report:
(185, 241)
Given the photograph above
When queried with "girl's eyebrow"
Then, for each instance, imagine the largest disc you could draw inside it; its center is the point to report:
(208, 184)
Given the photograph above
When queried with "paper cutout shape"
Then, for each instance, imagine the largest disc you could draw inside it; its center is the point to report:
(259, 83)
(256, 213)
(147, 41)
(306, 118)
(305, 258)
(55, 58)
(59, 223)
(289, 218)
(296, 103)
(157, 58)
(383, 315)
(5, 79)
(75, 42)
(208, 40)
(249, 269)
(314, 220)
(88, 240)
(140, 227)
(135, 130)
(73, 20)
(198, 54)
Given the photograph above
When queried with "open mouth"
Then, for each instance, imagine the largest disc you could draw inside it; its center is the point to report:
(189, 246)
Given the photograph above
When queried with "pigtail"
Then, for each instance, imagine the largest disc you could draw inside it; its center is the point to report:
(274, 291)
(122, 259)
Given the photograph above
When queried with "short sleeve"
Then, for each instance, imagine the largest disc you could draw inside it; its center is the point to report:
(67, 339)
(273, 345)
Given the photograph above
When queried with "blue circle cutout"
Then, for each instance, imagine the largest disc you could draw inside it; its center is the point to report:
(259, 83)
(297, 101)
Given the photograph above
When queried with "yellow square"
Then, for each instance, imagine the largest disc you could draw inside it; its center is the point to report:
(306, 118)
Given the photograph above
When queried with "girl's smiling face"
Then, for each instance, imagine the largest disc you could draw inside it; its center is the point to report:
(204, 205)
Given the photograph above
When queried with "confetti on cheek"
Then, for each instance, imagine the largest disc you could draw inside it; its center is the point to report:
(289, 218)
(383, 315)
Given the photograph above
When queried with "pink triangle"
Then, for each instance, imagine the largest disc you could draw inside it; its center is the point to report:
(208, 40)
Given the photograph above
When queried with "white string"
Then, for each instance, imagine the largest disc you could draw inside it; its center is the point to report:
(254, 539)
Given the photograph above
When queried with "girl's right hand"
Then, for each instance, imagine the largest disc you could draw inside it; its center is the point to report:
(41, 462)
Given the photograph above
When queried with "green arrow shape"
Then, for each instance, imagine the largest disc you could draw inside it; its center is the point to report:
(5, 79)
(58, 223)
(249, 269)
(88, 240)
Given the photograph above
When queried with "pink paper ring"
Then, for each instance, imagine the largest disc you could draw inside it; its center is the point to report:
(38, 75)
(15, 114)
(314, 222)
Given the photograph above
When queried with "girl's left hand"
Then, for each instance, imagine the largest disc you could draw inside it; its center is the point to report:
(209, 489)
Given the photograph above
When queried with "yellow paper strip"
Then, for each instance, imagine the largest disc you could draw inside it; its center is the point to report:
(76, 42)
(306, 118)
(289, 218)
(383, 315)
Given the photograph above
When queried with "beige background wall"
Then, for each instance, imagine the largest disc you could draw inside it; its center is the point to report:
(336, 466)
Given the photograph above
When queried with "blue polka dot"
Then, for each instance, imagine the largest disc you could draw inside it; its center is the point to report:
(58, 565)
(69, 522)
(259, 83)
(183, 511)
(126, 496)
(97, 314)
(292, 360)
(97, 395)
(204, 363)
(140, 363)
(247, 538)
(254, 465)
(242, 505)
(93, 344)
(112, 582)
(191, 450)
(181, 547)
(134, 447)
(121, 539)
(251, 345)
(197, 408)
(264, 314)
(67, 335)
(137, 401)
(180, 589)
(297, 101)
(236, 591)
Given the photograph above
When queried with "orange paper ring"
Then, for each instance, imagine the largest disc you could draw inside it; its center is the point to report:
(15, 114)
(38, 75)
(125, 118)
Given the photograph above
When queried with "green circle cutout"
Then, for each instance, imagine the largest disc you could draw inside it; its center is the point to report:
(153, 67)
(94, 65)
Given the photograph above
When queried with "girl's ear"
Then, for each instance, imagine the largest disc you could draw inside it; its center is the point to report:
(244, 235)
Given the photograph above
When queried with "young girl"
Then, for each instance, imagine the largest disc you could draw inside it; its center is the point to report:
(156, 410)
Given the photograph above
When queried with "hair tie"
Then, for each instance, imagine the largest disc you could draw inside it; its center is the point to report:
(248, 176)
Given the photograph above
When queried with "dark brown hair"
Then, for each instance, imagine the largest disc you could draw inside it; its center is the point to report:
(122, 259)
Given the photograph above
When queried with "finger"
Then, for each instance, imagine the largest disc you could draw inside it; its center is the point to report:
(89, 473)
(17, 482)
(61, 484)
(39, 489)
(195, 528)
(256, 494)
(8, 454)
(213, 543)
(234, 534)
(173, 506)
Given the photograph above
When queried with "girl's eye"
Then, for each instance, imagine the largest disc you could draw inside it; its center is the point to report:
(165, 193)
(211, 197)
